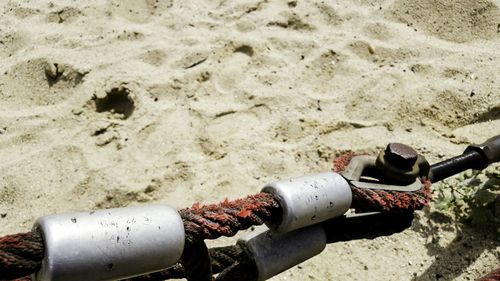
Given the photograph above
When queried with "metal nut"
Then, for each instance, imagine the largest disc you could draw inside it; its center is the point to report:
(400, 155)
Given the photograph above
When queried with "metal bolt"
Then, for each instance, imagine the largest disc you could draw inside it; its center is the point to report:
(400, 155)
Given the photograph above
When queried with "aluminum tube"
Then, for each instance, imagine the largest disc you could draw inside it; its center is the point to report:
(110, 244)
(310, 199)
(275, 252)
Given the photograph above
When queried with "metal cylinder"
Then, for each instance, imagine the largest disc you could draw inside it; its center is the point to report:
(276, 252)
(310, 199)
(110, 244)
(449, 167)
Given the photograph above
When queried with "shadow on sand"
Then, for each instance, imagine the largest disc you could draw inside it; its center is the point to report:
(461, 253)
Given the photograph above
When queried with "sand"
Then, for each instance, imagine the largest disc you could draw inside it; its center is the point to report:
(119, 103)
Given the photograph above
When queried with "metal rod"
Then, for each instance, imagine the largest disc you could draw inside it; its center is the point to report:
(476, 156)
(455, 165)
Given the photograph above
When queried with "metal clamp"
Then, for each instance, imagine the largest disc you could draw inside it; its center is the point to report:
(363, 172)
(276, 252)
(310, 199)
(110, 244)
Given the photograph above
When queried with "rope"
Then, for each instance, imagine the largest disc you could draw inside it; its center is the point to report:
(213, 221)
(20, 254)
(227, 218)
(369, 200)
(224, 257)
(338, 229)
(236, 263)
(216, 220)
(196, 261)
(492, 276)
(230, 263)
(200, 223)
(240, 264)
(379, 200)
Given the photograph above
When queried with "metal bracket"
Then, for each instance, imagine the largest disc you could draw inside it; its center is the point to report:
(416, 185)
(358, 164)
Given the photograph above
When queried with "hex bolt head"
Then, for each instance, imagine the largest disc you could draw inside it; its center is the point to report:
(400, 155)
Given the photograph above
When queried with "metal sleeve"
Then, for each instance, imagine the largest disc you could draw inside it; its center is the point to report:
(110, 244)
(275, 252)
(310, 199)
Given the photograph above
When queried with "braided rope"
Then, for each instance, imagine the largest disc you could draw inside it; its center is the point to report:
(369, 200)
(213, 221)
(379, 200)
(216, 220)
(236, 263)
(230, 262)
(196, 261)
(20, 254)
(243, 266)
(233, 262)
(227, 218)
(492, 276)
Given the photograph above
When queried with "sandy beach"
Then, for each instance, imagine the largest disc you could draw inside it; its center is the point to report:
(120, 103)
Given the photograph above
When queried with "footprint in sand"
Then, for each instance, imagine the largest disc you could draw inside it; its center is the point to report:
(233, 67)
(117, 102)
(39, 82)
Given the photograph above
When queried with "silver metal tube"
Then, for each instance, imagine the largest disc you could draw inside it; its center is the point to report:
(110, 244)
(310, 199)
(275, 252)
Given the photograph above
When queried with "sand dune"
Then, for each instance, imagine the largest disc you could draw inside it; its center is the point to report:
(118, 103)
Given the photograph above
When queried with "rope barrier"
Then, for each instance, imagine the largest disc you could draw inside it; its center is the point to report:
(230, 263)
(216, 220)
(228, 217)
(235, 263)
(21, 254)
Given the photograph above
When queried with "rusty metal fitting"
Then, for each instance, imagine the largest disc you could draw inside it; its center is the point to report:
(489, 150)
(401, 163)
(400, 155)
